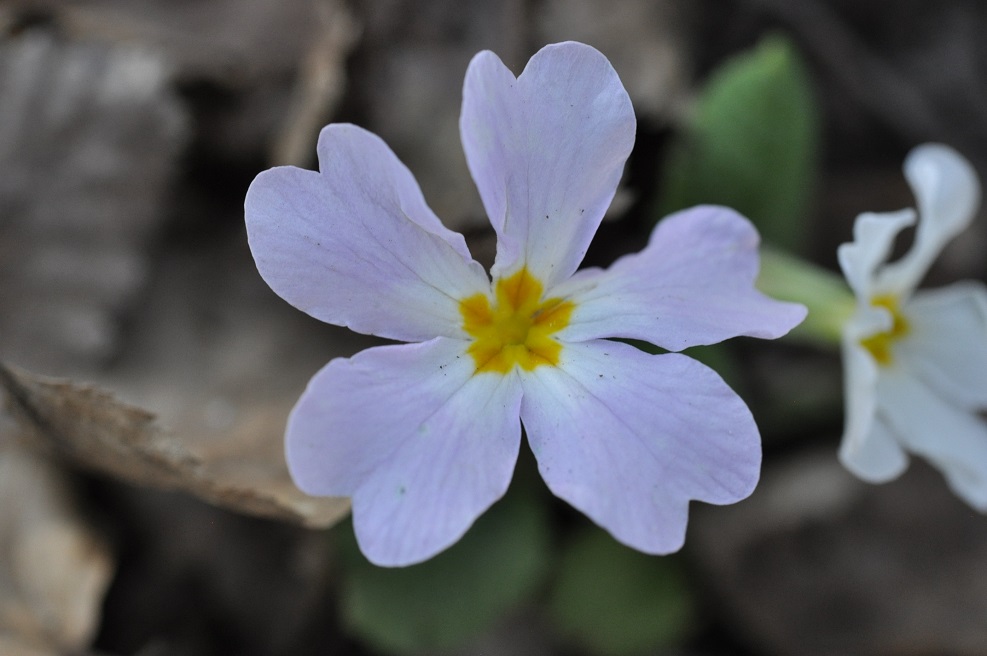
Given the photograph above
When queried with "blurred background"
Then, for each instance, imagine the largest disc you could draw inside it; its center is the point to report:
(147, 371)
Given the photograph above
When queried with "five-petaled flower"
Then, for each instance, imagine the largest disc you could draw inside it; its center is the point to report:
(424, 435)
(915, 363)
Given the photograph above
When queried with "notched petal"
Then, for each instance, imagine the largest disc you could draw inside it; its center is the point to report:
(356, 245)
(421, 444)
(630, 438)
(546, 150)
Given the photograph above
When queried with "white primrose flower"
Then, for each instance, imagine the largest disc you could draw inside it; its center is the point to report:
(915, 363)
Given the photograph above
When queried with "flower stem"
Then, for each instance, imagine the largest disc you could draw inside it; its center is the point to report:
(826, 295)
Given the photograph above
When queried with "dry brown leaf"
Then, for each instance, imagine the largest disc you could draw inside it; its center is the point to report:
(246, 51)
(13, 646)
(233, 41)
(88, 137)
(87, 426)
(90, 134)
(54, 569)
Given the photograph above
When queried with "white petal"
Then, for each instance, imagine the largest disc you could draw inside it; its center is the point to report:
(951, 438)
(421, 444)
(877, 456)
(630, 438)
(947, 343)
(947, 192)
(946, 186)
(860, 403)
(873, 238)
(869, 448)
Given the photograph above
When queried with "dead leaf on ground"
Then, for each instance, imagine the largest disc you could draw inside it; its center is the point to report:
(88, 427)
(88, 141)
(54, 568)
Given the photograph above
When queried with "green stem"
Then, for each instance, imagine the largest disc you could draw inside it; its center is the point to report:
(826, 295)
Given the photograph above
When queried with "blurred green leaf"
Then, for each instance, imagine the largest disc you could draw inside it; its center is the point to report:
(442, 603)
(752, 144)
(721, 358)
(614, 601)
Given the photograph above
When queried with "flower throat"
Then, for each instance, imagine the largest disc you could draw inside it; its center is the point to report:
(518, 329)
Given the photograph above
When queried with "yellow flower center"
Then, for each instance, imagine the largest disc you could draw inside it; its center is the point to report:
(518, 329)
(879, 344)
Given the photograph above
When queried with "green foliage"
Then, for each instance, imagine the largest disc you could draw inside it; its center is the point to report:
(614, 601)
(442, 603)
(752, 144)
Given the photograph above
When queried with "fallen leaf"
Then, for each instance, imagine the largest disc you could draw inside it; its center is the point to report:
(87, 426)
(54, 568)
(89, 136)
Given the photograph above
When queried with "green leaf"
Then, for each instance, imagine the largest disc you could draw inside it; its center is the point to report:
(752, 144)
(442, 603)
(614, 601)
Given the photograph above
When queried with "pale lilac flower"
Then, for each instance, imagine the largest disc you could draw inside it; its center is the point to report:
(915, 363)
(424, 436)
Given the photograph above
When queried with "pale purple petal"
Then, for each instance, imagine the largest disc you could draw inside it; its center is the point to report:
(421, 444)
(953, 439)
(946, 346)
(630, 438)
(693, 284)
(356, 245)
(947, 192)
(863, 259)
(546, 150)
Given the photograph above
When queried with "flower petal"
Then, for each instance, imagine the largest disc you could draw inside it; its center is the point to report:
(859, 394)
(546, 151)
(952, 439)
(946, 187)
(861, 260)
(693, 284)
(629, 438)
(947, 192)
(947, 344)
(356, 245)
(869, 449)
(877, 457)
(421, 444)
